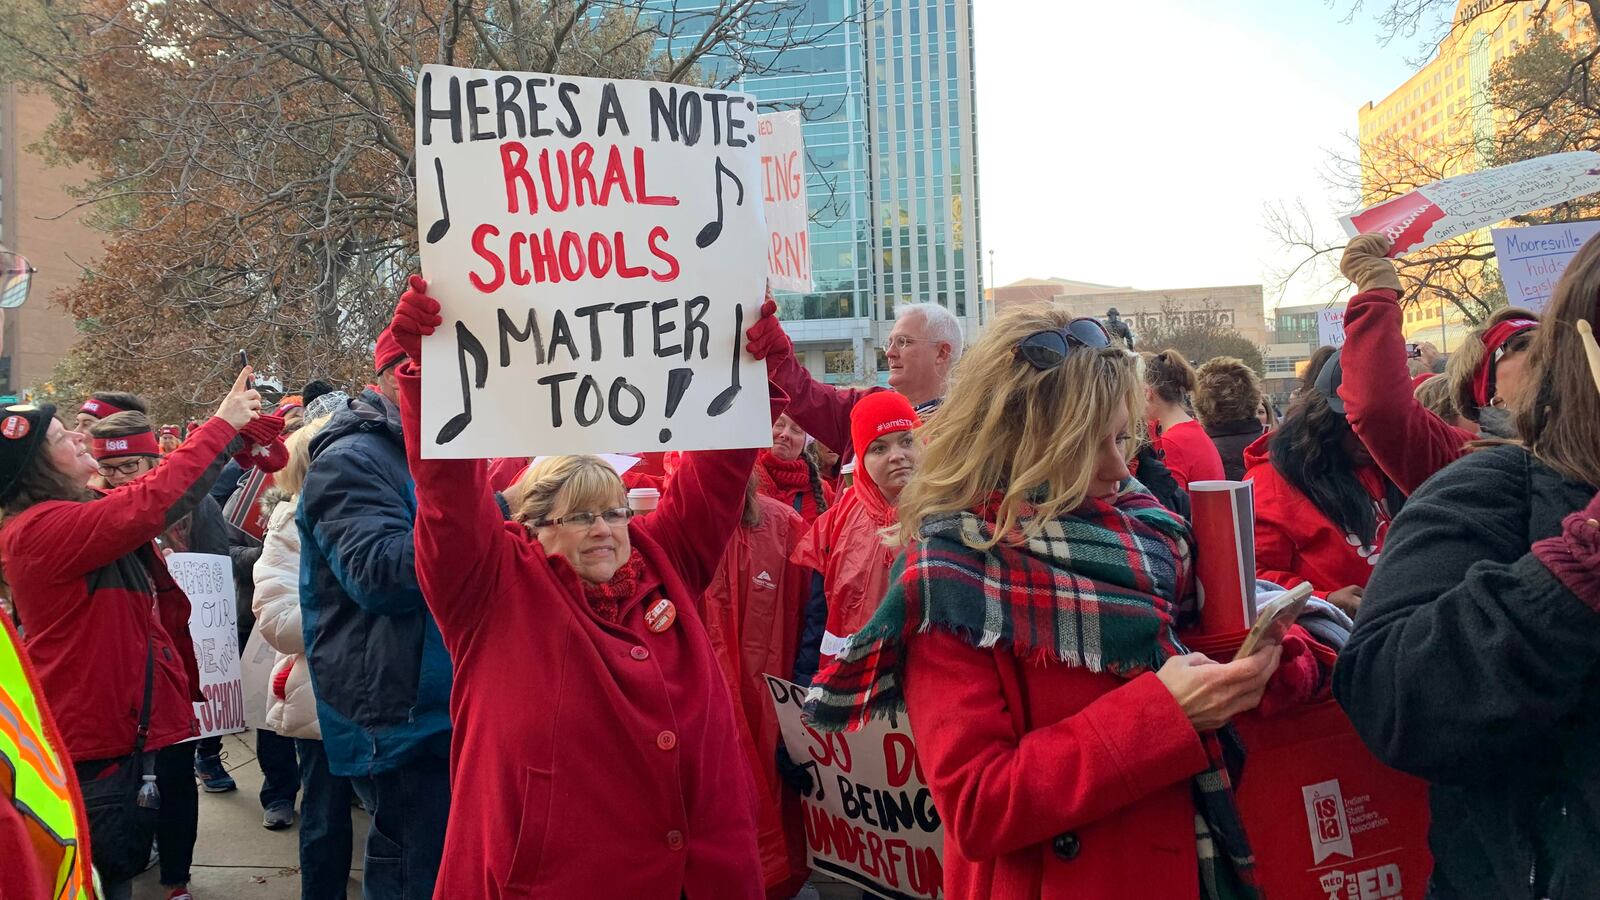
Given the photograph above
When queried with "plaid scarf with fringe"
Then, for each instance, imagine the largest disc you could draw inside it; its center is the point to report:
(1097, 588)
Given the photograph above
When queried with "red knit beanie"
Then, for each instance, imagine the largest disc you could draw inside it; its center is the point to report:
(1493, 340)
(387, 353)
(875, 415)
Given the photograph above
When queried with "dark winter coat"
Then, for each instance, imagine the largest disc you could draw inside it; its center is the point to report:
(1231, 439)
(1474, 666)
(378, 665)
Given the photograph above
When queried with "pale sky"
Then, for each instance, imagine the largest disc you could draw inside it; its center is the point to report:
(1140, 144)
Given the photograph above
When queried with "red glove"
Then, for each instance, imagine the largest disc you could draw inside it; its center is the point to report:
(416, 316)
(1299, 679)
(1573, 556)
(263, 430)
(766, 337)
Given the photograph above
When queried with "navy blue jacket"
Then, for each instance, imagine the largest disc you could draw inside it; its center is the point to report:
(379, 668)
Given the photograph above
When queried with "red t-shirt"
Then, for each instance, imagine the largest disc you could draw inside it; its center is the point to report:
(1189, 453)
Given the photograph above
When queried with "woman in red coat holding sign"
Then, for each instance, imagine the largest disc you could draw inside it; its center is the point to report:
(595, 750)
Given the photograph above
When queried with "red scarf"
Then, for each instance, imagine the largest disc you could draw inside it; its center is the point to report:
(606, 599)
(788, 476)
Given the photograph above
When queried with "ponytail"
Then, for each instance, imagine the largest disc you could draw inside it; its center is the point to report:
(1170, 376)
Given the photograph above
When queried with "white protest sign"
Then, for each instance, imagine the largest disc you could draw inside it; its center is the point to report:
(598, 248)
(214, 627)
(1330, 328)
(255, 668)
(783, 188)
(1532, 259)
(1465, 203)
(869, 818)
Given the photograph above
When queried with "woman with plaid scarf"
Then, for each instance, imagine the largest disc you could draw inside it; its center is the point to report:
(1072, 745)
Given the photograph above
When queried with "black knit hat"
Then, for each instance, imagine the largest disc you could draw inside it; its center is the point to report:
(23, 427)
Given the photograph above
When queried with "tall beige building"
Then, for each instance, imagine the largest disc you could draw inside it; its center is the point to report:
(1439, 113)
(37, 220)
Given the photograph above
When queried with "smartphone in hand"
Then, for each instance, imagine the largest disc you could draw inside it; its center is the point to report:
(1413, 351)
(1274, 619)
(244, 360)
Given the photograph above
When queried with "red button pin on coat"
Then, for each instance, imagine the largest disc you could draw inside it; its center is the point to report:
(666, 740)
(660, 616)
(15, 427)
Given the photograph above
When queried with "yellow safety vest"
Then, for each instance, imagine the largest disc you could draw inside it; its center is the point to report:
(36, 776)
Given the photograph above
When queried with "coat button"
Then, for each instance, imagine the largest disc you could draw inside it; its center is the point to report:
(1066, 846)
(639, 653)
(675, 840)
(666, 740)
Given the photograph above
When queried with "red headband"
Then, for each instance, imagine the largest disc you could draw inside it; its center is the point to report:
(99, 408)
(141, 444)
(1494, 339)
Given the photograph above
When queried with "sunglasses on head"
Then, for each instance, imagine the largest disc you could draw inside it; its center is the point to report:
(1044, 350)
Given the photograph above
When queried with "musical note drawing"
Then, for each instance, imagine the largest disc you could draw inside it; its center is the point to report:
(467, 344)
(713, 230)
(438, 229)
(724, 400)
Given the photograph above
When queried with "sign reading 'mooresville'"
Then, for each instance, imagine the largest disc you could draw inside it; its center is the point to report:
(598, 248)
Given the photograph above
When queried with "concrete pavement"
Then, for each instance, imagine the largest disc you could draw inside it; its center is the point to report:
(236, 859)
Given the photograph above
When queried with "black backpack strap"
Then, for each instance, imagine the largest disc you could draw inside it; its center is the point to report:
(149, 686)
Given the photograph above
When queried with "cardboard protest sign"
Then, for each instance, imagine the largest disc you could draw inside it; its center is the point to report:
(598, 249)
(783, 183)
(1465, 203)
(1330, 328)
(255, 674)
(870, 819)
(1532, 259)
(214, 627)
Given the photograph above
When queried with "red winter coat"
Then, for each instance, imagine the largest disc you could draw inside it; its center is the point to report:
(846, 546)
(1408, 442)
(1295, 542)
(85, 578)
(752, 613)
(1188, 453)
(1057, 782)
(586, 756)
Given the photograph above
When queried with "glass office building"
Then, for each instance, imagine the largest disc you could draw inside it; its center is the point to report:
(886, 87)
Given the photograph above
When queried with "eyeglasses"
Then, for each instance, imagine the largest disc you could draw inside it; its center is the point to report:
(615, 516)
(1044, 350)
(901, 342)
(1516, 343)
(131, 467)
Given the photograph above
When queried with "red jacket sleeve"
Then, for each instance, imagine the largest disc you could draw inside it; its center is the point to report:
(999, 791)
(77, 538)
(701, 507)
(459, 528)
(821, 409)
(1408, 442)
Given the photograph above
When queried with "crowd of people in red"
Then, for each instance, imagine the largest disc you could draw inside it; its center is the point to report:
(542, 684)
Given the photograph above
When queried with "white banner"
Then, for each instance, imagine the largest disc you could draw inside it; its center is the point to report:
(1532, 259)
(870, 819)
(783, 183)
(214, 627)
(1330, 327)
(1465, 203)
(599, 249)
(255, 666)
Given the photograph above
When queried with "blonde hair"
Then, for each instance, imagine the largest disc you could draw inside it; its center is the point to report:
(1035, 429)
(1462, 369)
(292, 477)
(562, 483)
(1436, 396)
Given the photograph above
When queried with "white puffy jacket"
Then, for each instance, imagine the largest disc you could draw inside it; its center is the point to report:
(293, 711)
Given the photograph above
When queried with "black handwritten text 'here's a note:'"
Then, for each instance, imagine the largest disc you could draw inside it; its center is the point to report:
(598, 248)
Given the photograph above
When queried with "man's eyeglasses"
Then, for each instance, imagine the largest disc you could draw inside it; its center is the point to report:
(901, 342)
(131, 467)
(615, 516)
(1044, 350)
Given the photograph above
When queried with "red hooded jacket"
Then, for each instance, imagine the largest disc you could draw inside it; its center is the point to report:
(85, 578)
(585, 752)
(1295, 542)
(752, 614)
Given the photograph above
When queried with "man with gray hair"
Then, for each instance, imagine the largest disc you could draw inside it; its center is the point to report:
(923, 347)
